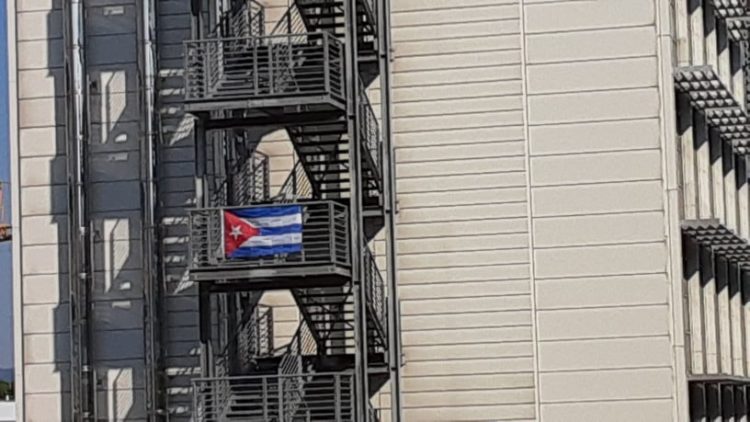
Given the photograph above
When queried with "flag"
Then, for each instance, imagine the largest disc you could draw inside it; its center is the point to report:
(263, 231)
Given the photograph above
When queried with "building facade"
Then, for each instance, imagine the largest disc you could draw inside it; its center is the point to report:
(571, 208)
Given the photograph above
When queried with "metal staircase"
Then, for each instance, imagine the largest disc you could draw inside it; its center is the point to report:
(308, 76)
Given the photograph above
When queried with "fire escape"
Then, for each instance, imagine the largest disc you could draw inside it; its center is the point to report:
(308, 76)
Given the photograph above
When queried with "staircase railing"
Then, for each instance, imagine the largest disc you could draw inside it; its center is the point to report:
(254, 337)
(293, 371)
(244, 20)
(375, 291)
(250, 178)
(291, 23)
(296, 186)
(369, 131)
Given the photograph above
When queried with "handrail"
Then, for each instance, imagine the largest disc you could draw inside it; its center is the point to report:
(290, 23)
(244, 21)
(250, 182)
(375, 290)
(370, 130)
(296, 186)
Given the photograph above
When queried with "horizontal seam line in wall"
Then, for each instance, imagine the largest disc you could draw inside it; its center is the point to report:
(462, 174)
(444, 84)
(629, 336)
(457, 69)
(454, 99)
(424, 314)
(598, 276)
(443, 160)
(469, 406)
(398, 14)
(602, 244)
(465, 328)
(603, 369)
(418, 223)
(595, 213)
(468, 113)
(467, 37)
(620, 400)
(596, 60)
(469, 281)
(467, 374)
(602, 307)
(457, 114)
(429, 207)
(607, 182)
(453, 53)
(427, 131)
(593, 59)
(588, 30)
(483, 249)
(486, 296)
(470, 190)
(509, 356)
(595, 152)
(594, 90)
(482, 234)
(450, 8)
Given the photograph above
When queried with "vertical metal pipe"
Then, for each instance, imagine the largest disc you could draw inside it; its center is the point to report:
(152, 289)
(389, 193)
(79, 233)
(355, 210)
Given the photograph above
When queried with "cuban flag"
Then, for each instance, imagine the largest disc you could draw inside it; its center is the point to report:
(259, 232)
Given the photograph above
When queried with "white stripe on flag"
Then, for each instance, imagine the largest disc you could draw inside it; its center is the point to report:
(280, 221)
(282, 239)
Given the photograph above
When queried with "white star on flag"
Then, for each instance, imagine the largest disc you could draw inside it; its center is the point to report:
(236, 232)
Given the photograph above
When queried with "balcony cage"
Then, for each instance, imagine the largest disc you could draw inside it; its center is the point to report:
(269, 72)
(325, 255)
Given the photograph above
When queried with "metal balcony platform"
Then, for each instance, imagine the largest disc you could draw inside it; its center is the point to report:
(705, 88)
(739, 29)
(730, 8)
(322, 258)
(723, 241)
(273, 74)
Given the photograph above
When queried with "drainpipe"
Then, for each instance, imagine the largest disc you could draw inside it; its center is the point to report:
(389, 191)
(79, 231)
(152, 289)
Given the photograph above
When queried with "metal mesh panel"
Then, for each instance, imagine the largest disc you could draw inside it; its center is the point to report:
(288, 398)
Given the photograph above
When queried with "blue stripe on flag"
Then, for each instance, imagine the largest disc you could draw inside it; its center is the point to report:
(275, 231)
(261, 212)
(261, 251)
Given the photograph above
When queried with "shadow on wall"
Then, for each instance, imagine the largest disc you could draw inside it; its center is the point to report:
(114, 199)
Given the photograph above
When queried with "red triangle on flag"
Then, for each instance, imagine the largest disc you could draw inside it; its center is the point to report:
(236, 232)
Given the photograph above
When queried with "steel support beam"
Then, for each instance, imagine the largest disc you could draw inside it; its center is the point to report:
(356, 231)
(389, 193)
(79, 232)
(152, 288)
